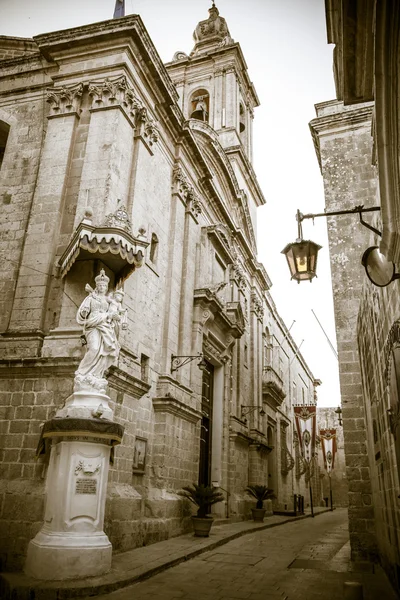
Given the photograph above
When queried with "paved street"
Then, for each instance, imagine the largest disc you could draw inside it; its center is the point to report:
(303, 560)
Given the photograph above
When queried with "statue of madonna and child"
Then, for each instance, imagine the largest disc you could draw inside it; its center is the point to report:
(101, 316)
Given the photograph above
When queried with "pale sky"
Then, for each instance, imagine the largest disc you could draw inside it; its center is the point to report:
(290, 64)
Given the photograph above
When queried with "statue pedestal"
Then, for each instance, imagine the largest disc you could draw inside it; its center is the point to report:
(72, 543)
(87, 404)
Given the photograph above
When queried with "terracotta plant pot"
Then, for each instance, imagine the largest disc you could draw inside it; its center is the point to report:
(202, 526)
(258, 514)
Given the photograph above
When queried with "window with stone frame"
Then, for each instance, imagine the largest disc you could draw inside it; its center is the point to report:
(268, 348)
(394, 401)
(4, 132)
(153, 249)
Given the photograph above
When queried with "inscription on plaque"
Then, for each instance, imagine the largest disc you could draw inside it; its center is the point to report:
(86, 485)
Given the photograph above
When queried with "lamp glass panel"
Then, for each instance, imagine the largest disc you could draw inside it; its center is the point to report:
(302, 259)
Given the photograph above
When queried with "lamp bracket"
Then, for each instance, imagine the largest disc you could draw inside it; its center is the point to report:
(245, 409)
(357, 209)
(180, 361)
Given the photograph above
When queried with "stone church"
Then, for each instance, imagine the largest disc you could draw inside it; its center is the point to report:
(111, 160)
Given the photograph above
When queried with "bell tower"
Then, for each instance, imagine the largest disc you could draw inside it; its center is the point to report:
(214, 85)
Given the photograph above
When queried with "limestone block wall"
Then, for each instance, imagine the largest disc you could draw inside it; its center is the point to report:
(377, 339)
(17, 183)
(26, 402)
(344, 145)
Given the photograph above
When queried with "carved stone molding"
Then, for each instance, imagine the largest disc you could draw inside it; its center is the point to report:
(179, 55)
(256, 306)
(65, 100)
(221, 239)
(117, 92)
(177, 408)
(151, 132)
(119, 219)
(238, 275)
(229, 317)
(124, 382)
(186, 190)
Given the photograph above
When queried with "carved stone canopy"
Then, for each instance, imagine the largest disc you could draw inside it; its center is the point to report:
(113, 244)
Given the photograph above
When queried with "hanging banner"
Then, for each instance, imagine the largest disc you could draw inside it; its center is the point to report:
(328, 441)
(305, 417)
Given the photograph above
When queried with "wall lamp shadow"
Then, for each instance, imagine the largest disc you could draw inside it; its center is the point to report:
(180, 361)
(247, 409)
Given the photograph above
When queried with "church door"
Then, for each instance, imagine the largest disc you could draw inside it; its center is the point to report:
(206, 426)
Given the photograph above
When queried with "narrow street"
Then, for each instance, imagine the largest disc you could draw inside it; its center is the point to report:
(303, 560)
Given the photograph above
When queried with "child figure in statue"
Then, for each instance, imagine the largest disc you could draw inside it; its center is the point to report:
(117, 315)
(102, 347)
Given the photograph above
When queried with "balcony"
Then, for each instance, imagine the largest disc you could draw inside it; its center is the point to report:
(272, 388)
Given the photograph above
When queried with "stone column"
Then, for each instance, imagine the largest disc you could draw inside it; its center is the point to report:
(187, 278)
(232, 104)
(219, 100)
(175, 262)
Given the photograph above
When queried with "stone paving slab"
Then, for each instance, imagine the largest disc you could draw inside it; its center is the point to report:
(138, 564)
(210, 578)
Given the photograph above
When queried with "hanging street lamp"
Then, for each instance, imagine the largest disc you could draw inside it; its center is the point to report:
(302, 255)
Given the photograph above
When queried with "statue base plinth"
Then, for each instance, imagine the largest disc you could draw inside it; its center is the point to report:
(72, 543)
(86, 405)
(60, 557)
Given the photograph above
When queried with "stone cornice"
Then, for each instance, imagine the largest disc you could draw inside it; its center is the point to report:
(34, 367)
(177, 408)
(131, 27)
(204, 128)
(338, 122)
(122, 381)
(251, 175)
(187, 192)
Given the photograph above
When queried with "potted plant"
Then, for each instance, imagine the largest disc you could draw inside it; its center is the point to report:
(202, 496)
(260, 493)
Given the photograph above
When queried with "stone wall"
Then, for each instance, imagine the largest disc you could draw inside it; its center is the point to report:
(343, 141)
(378, 339)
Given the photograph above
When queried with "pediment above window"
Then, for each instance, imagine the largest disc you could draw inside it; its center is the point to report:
(222, 242)
(112, 243)
(229, 315)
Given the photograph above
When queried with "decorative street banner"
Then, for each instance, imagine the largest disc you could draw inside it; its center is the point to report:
(328, 440)
(305, 417)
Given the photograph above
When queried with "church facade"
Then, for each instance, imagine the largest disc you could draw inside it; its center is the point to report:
(112, 160)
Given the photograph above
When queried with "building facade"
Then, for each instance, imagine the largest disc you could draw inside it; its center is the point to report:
(356, 143)
(112, 160)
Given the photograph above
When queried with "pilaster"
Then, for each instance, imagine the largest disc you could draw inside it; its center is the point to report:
(47, 208)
